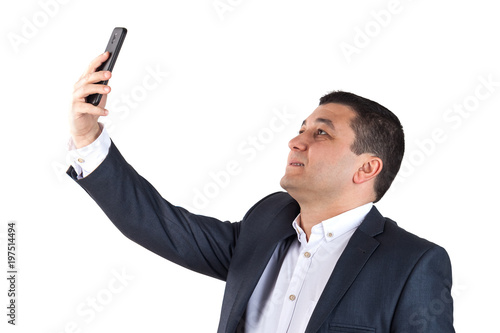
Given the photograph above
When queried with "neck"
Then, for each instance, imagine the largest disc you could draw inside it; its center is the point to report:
(314, 213)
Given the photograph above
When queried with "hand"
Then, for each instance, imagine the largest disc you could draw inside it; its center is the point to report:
(83, 117)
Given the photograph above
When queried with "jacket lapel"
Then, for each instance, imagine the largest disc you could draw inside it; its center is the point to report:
(357, 252)
(261, 245)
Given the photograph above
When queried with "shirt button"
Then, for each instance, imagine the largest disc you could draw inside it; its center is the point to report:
(307, 255)
(81, 160)
(329, 234)
(292, 297)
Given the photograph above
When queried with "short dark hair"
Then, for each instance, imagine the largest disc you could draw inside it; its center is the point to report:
(377, 131)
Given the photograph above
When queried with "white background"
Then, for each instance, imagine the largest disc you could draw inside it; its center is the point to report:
(227, 72)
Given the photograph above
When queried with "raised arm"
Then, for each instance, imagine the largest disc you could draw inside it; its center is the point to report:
(200, 243)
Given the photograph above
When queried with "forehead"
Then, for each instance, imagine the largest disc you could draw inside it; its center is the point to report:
(339, 115)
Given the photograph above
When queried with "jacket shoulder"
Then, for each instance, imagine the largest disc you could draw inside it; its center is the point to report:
(272, 204)
(402, 243)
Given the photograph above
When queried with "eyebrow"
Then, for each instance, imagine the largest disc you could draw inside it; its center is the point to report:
(327, 122)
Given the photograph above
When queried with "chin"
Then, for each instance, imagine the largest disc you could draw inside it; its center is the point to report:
(283, 183)
(287, 184)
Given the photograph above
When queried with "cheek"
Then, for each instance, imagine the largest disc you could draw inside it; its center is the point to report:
(336, 164)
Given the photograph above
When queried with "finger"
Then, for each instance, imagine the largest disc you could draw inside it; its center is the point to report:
(89, 89)
(87, 108)
(92, 78)
(94, 64)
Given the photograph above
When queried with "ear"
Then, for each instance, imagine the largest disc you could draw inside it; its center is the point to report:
(369, 170)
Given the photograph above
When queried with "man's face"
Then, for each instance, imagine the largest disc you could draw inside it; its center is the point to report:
(321, 164)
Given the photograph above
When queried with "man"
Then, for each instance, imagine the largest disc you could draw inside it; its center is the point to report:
(319, 258)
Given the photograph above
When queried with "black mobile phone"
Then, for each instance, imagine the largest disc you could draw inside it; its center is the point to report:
(114, 46)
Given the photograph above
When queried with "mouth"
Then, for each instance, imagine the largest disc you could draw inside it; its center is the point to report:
(294, 163)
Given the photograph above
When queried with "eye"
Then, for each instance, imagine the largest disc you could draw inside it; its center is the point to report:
(321, 132)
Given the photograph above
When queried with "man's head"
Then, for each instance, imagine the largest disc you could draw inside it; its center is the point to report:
(349, 148)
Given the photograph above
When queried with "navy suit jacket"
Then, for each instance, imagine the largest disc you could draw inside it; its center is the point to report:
(386, 280)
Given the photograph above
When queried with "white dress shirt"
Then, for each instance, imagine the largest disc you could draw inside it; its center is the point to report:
(292, 283)
(297, 273)
(87, 159)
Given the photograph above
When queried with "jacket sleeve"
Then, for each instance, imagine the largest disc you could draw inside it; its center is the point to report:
(426, 304)
(202, 244)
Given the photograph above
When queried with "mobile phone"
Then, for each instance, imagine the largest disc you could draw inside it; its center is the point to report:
(114, 46)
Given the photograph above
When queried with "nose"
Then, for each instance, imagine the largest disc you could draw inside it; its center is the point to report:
(298, 143)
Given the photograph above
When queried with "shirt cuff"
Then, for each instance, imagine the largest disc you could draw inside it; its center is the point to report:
(86, 159)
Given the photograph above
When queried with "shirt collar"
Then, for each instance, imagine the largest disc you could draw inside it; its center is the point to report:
(336, 226)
